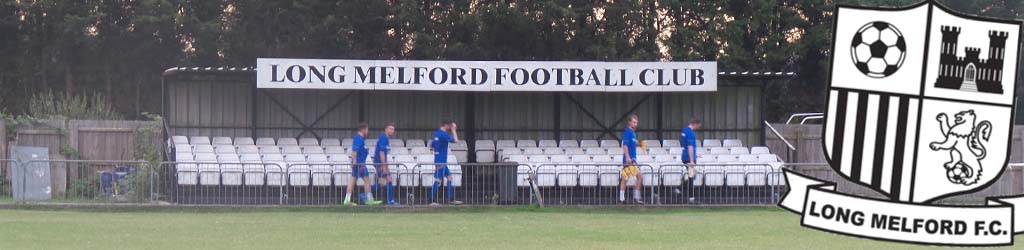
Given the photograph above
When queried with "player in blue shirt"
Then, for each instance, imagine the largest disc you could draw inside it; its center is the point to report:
(629, 164)
(380, 159)
(359, 154)
(440, 146)
(688, 140)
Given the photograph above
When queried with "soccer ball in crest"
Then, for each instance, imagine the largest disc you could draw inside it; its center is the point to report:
(878, 49)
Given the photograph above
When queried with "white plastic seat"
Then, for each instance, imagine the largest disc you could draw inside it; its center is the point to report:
(526, 144)
(672, 175)
(306, 141)
(425, 167)
(586, 172)
(330, 142)
(225, 149)
(275, 175)
(521, 159)
(554, 151)
(330, 150)
(676, 151)
(209, 170)
(653, 143)
(406, 174)
(199, 140)
(179, 139)
(230, 169)
(533, 151)
(565, 172)
(759, 150)
(608, 175)
(291, 149)
(396, 143)
(718, 151)
(610, 144)
(413, 143)
(589, 144)
(320, 169)
(254, 170)
(347, 142)
(287, 141)
(711, 143)
(183, 148)
(420, 151)
(222, 141)
(269, 149)
(568, 144)
(505, 144)
(732, 143)
(398, 151)
(244, 141)
(739, 151)
(747, 159)
(670, 144)
(657, 151)
(545, 172)
(547, 144)
(595, 151)
(312, 150)
(506, 152)
(568, 173)
(203, 149)
(575, 151)
(298, 169)
(187, 172)
(247, 149)
(485, 151)
(265, 141)
(341, 169)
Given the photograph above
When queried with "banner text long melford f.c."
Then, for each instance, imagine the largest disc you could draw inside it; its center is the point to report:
(539, 76)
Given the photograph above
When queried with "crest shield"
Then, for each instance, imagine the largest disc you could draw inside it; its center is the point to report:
(920, 100)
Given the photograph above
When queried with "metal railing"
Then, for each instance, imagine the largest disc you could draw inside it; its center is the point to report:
(324, 184)
(590, 183)
(81, 181)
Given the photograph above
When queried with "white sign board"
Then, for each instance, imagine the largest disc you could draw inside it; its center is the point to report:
(540, 76)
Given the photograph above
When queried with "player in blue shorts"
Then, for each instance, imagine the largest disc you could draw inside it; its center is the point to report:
(688, 140)
(629, 164)
(359, 154)
(380, 159)
(440, 146)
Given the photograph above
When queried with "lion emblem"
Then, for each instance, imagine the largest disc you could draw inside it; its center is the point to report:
(965, 140)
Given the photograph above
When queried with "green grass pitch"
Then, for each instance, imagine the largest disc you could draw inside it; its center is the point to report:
(456, 228)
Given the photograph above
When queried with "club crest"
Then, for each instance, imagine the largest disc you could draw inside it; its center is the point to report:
(894, 73)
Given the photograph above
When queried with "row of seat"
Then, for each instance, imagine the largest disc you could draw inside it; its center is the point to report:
(292, 169)
(413, 143)
(589, 171)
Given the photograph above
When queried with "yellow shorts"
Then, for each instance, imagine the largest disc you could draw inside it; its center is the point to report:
(629, 172)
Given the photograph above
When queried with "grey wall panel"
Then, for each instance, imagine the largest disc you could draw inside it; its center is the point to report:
(214, 107)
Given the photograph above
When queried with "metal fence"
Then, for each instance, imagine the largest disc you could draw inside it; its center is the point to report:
(6, 181)
(80, 181)
(324, 184)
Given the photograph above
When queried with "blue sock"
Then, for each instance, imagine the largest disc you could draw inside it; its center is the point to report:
(373, 188)
(362, 197)
(433, 191)
(391, 191)
(451, 191)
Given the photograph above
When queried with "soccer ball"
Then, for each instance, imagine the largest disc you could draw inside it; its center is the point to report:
(878, 49)
(959, 173)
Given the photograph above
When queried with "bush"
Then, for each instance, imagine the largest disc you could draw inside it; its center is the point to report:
(86, 187)
(47, 105)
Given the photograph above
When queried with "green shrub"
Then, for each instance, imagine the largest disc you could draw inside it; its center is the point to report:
(86, 187)
(48, 105)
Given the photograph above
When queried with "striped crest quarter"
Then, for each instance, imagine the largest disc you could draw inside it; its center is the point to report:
(920, 100)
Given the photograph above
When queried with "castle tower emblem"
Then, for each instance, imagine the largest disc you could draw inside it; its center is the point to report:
(969, 72)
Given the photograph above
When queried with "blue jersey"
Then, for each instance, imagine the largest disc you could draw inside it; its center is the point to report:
(383, 148)
(359, 146)
(440, 145)
(688, 139)
(629, 140)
